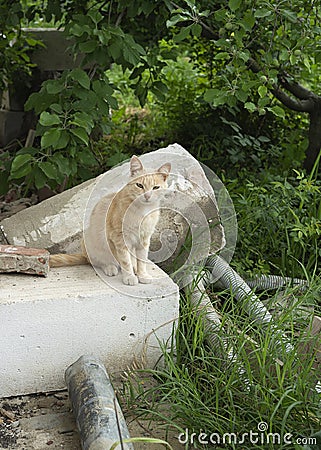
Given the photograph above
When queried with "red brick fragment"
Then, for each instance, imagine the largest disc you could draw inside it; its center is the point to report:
(15, 258)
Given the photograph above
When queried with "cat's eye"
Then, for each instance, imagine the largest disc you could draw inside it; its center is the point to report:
(140, 185)
(156, 187)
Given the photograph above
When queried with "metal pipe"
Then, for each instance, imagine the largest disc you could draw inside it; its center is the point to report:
(98, 415)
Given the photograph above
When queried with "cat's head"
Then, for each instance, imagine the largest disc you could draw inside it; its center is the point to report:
(146, 185)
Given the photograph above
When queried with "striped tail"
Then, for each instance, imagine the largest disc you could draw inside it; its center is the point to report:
(62, 260)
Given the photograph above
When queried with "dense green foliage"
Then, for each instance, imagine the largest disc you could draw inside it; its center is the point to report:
(283, 215)
(252, 57)
(260, 51)
(14, 46)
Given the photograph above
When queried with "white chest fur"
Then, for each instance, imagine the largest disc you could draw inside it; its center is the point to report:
(139, 224)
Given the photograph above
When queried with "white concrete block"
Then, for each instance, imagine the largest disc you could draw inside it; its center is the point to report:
(48, 323)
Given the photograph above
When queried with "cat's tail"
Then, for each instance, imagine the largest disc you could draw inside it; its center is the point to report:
(62, 260)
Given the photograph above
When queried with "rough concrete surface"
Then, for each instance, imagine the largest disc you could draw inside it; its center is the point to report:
(50, 322)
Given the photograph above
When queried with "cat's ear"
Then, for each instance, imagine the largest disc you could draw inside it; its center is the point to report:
(165, 170)
(136, 167)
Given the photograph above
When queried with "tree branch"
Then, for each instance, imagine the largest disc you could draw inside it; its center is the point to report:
(253, 65)
(296, 105)
(305, 98)
(295, 88)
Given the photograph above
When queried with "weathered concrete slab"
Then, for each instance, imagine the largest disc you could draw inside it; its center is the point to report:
(57, 223)
(48, 323)
(24, 259)
(56, 54)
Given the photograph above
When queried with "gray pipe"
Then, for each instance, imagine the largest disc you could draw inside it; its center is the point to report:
(219, 271)
(98, 415)
(264, 282)
(222, 273)
(212, 321)
(213, 326)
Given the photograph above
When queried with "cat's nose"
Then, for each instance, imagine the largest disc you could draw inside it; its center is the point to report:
(148, 195)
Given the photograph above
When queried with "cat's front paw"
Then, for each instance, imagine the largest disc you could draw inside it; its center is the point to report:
(130, 279)
(145, 278)
(111, 270)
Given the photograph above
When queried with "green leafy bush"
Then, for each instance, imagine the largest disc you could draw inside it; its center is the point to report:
(15, 46)
(279, 223)
(75, 107)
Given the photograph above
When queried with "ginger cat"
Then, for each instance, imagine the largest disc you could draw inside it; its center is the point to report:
(121, 226)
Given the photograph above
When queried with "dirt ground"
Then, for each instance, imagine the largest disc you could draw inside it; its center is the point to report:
(45, 421)
(38, 422)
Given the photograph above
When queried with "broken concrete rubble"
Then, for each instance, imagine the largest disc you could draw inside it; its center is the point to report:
(32, 261)
(189, 204)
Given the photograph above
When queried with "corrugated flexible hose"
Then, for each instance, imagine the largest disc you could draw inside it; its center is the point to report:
(219, 271)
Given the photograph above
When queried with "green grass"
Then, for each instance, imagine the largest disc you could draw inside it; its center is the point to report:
(197, 389)
(279, 222)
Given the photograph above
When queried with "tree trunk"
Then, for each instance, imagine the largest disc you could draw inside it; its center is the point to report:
(314, 135)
